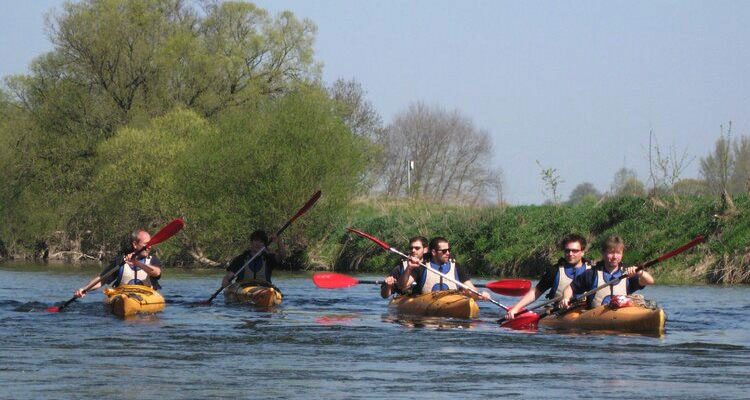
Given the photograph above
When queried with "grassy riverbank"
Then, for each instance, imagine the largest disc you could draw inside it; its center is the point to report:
(521, 240)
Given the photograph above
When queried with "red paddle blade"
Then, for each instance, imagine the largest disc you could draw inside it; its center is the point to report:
(373, 238)
(333, 281)
(53, 309)
(525, 321)
(167, 232)
(510, 287)
(301, 211)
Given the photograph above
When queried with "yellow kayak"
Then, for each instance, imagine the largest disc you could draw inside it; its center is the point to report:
(128, 300)
(448, 303)
(635, 319)
(255, 293)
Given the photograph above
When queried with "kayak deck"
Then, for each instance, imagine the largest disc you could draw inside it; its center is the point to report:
(129, 300)
(449, 304)
(259, 294)
(636, 319)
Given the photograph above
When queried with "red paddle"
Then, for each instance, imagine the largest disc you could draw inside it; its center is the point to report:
(507, 287)
(165, 233)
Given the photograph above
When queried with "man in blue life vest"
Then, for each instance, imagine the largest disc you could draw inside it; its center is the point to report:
(426, 281)
(261, 268)
(418, 251)
(559, 276)
(607, 270)
(132, 269)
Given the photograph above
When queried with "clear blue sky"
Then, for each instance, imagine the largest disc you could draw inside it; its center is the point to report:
(576, 86)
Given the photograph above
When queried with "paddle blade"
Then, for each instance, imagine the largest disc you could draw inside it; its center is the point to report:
(53, 309)
(510, 287)
(524, 321)
(333, 281)
(692, 243)
(167, 232)
(374, 239)
(301, 211)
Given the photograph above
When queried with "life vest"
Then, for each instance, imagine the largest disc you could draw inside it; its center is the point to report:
(132, 275)
(565, 277)
(257, 270)
(430, 282)
(603, 296)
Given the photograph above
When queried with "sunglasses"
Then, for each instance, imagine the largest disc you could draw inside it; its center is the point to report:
(574, 251)
(415, 248)
(443, 250)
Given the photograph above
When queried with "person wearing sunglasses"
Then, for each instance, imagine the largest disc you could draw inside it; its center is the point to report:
(609, 269)
(440, 260)
(556, 278)
(417, 252)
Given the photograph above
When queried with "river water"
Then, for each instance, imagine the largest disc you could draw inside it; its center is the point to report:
(343, 344)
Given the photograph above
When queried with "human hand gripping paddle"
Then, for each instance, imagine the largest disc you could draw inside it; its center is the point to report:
(523, 325)
(165, 233)
(446, 277)
(505, 287)
(299, 213)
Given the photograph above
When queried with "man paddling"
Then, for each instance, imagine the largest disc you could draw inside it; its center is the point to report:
(132, 269)
(261, 268)
(440, 260)
(607, 270)
(559, 276)
(417, 251)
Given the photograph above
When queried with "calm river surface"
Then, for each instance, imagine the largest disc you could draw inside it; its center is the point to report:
(343, 344)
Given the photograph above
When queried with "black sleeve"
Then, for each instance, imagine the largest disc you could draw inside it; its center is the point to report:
(634, 285)
(548, 279)
(271, 262)
(396, 271)
(112, 265)
(157, 263)
(463, 276)
(583, 282)
(238, 262)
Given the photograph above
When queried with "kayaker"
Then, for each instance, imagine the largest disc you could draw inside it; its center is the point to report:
(417, 251)
(559, 276)
(134, 269)
(440, 260)
(260, 269)
(607, 270)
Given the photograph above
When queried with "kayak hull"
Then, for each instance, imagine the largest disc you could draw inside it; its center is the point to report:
(448, 304)
(129, 300)
(253, 293)
(636, 319)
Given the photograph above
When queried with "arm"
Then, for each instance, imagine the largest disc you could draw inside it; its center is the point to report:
(386, 289)
(280, 253)
(227, 278)
(527, 299)
(88, 287)
(152, 270)
(567, 297)
(404, 279)
(484, 295)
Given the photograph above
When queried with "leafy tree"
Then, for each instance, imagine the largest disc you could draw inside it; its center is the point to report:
(583, 192)
(626, 183)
